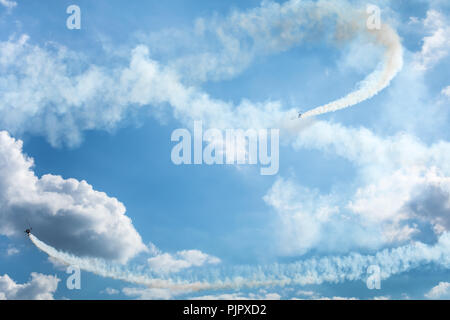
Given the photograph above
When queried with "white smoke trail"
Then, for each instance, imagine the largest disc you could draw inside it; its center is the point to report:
(310, 271)
(376, 81)
(107, 270)
(72, 105)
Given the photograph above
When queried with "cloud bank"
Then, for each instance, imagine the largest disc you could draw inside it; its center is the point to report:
(40, 287)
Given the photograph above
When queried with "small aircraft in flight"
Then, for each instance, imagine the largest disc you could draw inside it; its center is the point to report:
(28, 231)
(299, 115)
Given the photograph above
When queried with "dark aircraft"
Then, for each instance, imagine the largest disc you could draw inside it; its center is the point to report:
(299, 115)
(28, 231)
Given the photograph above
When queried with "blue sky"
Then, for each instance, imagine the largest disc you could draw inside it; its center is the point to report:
(95, 109)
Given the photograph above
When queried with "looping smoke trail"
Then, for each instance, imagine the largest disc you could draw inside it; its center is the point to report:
(376, 81)
(310, 271)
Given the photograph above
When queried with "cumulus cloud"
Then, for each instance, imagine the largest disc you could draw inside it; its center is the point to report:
(383, 212)
(432, 203)
(40, 287)
(170, 263)
(307, 220)
(407, 194)
(67, 213)
(402, 182)
(441, 291)
(436, 46)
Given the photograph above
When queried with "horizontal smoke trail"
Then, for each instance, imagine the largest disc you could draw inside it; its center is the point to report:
(102, 268)
(310, 271)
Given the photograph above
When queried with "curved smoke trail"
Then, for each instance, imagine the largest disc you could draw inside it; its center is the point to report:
(306, 272)
(376, 81)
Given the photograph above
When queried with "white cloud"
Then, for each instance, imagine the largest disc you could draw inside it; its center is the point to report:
(67, 213)
(54, 92)
(153, 249)
(41, 96)
(170, 263)
(260, 295)
(437, 45)
(306, 220)
(311, 295)
(151, 294)
(401, 181)
(12, 251)
(111, 291)
(412, 105)
(382, 298)
(8, 3)
(446, 91)
(441, 291)
(405, 194)
(374, 156)
(306, 293)
(40, 287)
